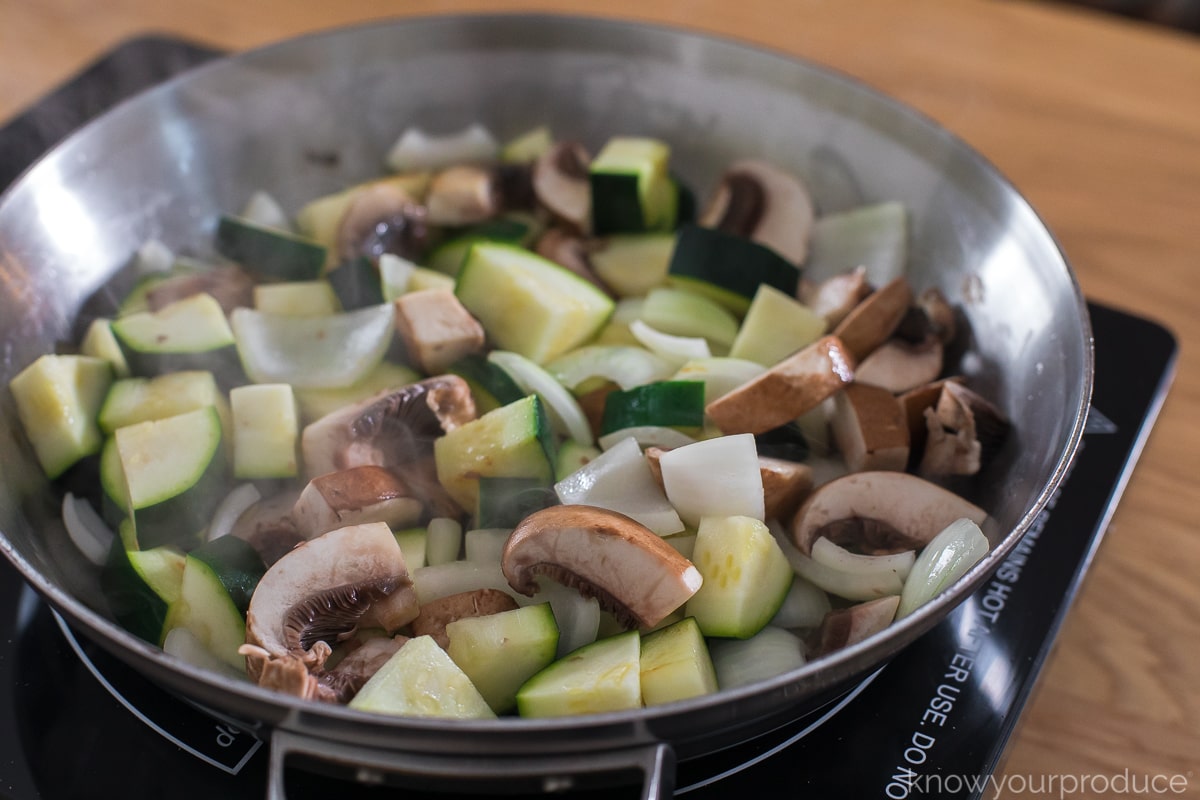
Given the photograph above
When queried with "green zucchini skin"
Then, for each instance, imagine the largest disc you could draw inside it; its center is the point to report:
(491, 386)
(357, 283)
(269, 252)
(140, 606)
(730, 262)
(669, 404)
(616, 207)
(236, 564)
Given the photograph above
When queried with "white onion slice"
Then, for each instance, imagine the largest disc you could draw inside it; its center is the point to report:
(770, 652)
(578, 617)
(327, 352)
(836, 557)
(804, 606)
(678, 350)
(873, 236)
(454, 577)
(843, 584)
(263, 209)
(625, 365)
(395, 273)
(443, 540)
(416, 150)
(229, 509)
(564, 411)
(485, 545)
(619, 479)
(721, 375)
(944, 560)
(86, 529)
(154, 257)
(717, 477)
(646, 436)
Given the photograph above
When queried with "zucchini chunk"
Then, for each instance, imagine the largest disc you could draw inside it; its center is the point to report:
(270, 252)
(632, 189)
(58, 400)
(133, 400)
(602, 676)
(513, 441)
(218, 579)
(420, 680)
(175, 472)
(188, 334)
(728, 268)
(669, 404)
(266, 428)
(528, 304)
(141, 586)
(675, 664)
(499, 652)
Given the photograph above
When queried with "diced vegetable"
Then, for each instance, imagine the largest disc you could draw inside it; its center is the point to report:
(770, 652)
(746, 577)
(269, 251)
(944, 560)
(624, 365)
(620, 480)
(297, 298)
(633, 264)
(675, 664)
(669, 404)
(141, 586)
(443, 540)
(874, 236)
(683, 313)
(420, 680)
(632, 190)
(328, 352)
(218, 580)
(602, 676)
(58, 399)
(188, 334)
(418, 150)
(562, 408)
(316, 403)
(499, 652)
(727, 267)
(714, 478)
(99, 342)
(776, 325)
(133, 400)
(528, 304)
(265, 431)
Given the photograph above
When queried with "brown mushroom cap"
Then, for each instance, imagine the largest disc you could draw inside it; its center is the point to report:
(320, 592)
(570, 251)
(463, 195)
(962, 430)
(843, 627)
(870, 428)
(560, 182)
(795, 385)
(760, 201)
(382, 218)
(353, 497)
(394, 427)
(873, 320)
(630, 570)
(436, 614)
(912, 508)
(836, 296)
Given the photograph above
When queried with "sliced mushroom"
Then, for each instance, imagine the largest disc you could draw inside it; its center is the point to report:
(914, 402)
(357, 667)
(899, 366)
(631, 571)
(762, 202)
(962, 430)
(873, 320)
(353, 497)
(319, 593)
(835, 297)
(790, 388)
(394, 427)
(437, 614)
(382, 218)
(939, 313)
(876, 512)
(267, 526)
(870, 428)
(560, 181)
(843, 627)
(785, 485)
(570, 251)
(230, 285)
(436, 329)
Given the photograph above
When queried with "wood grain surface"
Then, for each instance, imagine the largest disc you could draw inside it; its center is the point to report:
(1095, 119)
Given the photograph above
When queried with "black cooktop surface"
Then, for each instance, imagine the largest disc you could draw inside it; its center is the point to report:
(74, 722)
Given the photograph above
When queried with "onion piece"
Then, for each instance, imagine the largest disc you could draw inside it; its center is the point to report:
(678, 350)
(875, 236)
(485, 545)
(263, 209)
(416, 150)
(566, 416)
(395, 275)
(619, 479)
(578, 617)
(646, 436)
(804, 606)
(327, 352)
(944, 560)
(442, 580)
(226, 514)
(837, 557)
(721, 375)
(716, 477)
(154, 257)
(86, 529)
(443, 540)
(843, 584)
(772, 651)
(625, 365)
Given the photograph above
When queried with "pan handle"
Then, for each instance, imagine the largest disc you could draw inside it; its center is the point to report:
(542, 773)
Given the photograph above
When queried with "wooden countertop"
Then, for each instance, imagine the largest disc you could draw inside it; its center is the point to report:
(1095, 119)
